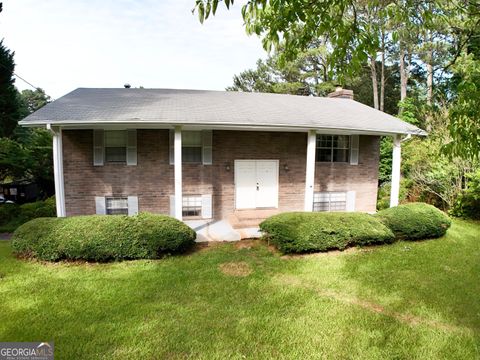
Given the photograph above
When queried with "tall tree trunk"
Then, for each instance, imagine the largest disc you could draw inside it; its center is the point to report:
(382, 75)
(373, 70)
(430, 78)
(429, 62)
(403, 74)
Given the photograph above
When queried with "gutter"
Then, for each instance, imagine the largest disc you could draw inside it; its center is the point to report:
(222, 126)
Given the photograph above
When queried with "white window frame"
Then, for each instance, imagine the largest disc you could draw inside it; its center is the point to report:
(329, 198)
(194, 146)
(106, 132)
(107, 208)
(332, 149)
(205, 147)
(194, 202)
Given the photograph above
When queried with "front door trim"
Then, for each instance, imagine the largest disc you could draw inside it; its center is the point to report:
(252, 188)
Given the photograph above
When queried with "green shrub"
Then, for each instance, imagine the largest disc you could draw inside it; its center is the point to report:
(8, 212)
(38, 209)
(102, 238)
(467, 205)
(298, 232)
(415, 221)
(12, 215)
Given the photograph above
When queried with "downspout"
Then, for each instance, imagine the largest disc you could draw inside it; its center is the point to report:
(406, 138)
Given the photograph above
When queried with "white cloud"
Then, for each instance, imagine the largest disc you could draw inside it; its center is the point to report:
(61, 45)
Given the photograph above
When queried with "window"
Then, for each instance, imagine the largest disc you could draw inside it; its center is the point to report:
(330, 201)
(116, 205)
(116, 146)
(192, 146)
(192, 206)
(333, 148)
(196, 147)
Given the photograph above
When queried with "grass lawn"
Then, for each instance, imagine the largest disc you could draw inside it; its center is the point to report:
(403, 301)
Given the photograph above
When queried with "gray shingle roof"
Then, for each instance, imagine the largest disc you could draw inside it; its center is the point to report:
(85, 106)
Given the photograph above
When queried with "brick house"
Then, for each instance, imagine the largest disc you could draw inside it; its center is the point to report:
(221, 161)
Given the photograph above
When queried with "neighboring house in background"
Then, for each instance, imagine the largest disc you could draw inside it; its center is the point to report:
(221, 160)
(20, 191)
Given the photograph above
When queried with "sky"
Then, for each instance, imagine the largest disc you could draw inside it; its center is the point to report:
(64, 44)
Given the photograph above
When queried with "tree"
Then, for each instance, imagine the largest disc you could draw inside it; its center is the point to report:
(362, 87)
(253, 80)
(306, 75)
(37, 143)
(30, 159)
(25, 154)
(13, 159)
(9, 105)
(464, 115)
(29, 102)
(296, 25)
(32, 100)
(356, 31)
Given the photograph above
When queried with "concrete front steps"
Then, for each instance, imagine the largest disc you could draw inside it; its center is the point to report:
(242, 224)
(249, 218)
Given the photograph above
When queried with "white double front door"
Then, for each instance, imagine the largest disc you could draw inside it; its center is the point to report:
(256, 184)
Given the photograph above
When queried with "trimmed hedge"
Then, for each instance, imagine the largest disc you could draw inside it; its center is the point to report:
(298, 232)
(13, 215)
(415, 221)
(102, 237)
(8, 212)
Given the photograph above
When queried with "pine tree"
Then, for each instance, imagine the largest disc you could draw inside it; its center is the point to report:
(9, 103)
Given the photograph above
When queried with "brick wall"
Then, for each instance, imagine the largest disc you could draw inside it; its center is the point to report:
(362, 178)
(152, 179)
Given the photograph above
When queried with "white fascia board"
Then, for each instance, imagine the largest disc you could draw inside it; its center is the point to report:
(217, 126)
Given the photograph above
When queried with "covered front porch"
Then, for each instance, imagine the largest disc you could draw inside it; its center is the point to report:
(290, 157)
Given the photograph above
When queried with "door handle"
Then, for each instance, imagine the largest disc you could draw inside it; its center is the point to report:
(258, 187)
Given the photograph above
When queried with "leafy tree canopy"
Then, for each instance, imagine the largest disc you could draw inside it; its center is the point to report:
(32, 100)
(464, 126)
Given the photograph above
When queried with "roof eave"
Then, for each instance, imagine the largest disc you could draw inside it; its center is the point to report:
(256, 127)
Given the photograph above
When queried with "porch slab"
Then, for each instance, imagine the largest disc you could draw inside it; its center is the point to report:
(250, 233)
(221, 230)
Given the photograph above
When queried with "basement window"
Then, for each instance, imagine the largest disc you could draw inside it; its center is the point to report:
(330, 201)
(192, 206)
(116, 206)
(333, 148)
(116, 146)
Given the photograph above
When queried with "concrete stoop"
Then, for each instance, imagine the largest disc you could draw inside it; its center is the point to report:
(251, 218)
(221, 230)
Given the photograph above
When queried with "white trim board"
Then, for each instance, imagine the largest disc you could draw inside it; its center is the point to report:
(110, 125)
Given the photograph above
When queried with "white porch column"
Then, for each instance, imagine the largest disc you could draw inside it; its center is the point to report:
(396, 158)
(178, 172)
(58, 170)
(310, 172)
